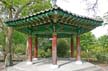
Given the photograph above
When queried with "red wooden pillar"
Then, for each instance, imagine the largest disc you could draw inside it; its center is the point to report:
(72, 48)
(30, 49)
(78, 51)
(36, 48)
(54, 49)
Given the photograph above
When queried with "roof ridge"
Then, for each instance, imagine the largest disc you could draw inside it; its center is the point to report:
(54, 8)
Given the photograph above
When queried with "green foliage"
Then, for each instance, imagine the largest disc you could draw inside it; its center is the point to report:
(2, 41)
(2, 38)
(62, 48)
(20, 49)
(44, 47)
(43, 54)
(19, 38)
(36, 6)
(19, 43)
(102, 57)
(93, 48)
(87, 41)
(103, 41)
(27, 7)
(87, 44)
(12, 9)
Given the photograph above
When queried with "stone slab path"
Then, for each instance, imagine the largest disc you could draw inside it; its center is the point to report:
(45, 65)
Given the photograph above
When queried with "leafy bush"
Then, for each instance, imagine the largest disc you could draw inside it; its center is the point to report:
(43, 54)
(20, 49)
(62, 48)
(102, 57)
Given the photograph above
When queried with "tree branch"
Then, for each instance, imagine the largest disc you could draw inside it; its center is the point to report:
(21, 8)
(93, 6)
(1, 27)
(1, 24)
(4, 2)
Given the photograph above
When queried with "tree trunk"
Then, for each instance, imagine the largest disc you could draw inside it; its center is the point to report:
(10, 31)
(9, 44)
(9, 39)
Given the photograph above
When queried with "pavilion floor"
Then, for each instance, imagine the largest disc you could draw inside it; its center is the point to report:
(63, 65)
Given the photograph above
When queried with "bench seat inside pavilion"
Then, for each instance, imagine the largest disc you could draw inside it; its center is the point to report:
(54, 23)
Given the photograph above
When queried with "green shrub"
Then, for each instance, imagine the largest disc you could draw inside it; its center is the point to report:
(41, 53)
(44, 53)
(101, 57)
(62, 48)
(20, 49)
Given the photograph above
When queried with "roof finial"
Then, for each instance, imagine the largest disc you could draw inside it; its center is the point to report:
(53, 3)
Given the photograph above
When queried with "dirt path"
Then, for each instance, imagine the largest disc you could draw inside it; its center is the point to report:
(104, 66)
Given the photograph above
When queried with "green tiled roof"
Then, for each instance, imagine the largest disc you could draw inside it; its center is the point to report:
(45, 23)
